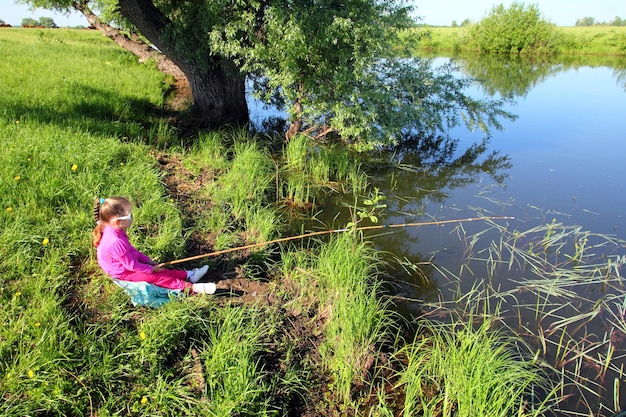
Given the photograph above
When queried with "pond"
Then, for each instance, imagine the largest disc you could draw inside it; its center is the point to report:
(548, 258)
(561, 160)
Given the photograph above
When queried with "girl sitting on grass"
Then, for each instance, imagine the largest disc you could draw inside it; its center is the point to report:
(120, 260)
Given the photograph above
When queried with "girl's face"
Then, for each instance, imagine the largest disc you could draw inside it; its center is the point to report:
(123, 222)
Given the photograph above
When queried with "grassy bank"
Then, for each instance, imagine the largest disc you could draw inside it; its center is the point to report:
(81, 119)
(594, 40)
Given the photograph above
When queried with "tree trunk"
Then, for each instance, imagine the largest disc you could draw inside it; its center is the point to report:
(134, 44)
(296, 121)
(217, 86)
(219, 97)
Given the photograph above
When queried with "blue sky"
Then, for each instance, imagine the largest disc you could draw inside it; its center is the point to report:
(561, 12)
(435, 12)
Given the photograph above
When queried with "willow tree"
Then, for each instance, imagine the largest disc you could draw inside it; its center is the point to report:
(333, 64)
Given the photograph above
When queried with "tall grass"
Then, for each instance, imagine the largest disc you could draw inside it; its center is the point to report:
(357, 318)
(71, 344)
(458, 370)
(309, 167)
(247, 180)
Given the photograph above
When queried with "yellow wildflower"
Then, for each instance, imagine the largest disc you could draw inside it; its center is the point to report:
(17, 294)
(144, 400)
(74, 167)
(30, 373)
(37, 324)
(45, 241)
(9, 208)
(142, 336)
(17, 178)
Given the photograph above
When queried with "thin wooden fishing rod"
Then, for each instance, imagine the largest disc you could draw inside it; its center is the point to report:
(325, 232)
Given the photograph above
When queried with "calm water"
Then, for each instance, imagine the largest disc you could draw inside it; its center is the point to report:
(562, 160)
(566, 151)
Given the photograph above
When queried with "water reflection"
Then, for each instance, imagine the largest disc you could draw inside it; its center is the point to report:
(509, 76)
(513, 76)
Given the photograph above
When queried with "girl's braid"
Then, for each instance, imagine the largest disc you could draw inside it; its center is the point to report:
(96, 209)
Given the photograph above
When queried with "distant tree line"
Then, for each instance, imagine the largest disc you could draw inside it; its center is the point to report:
(590, 21)
(43, 22)
(464, 23)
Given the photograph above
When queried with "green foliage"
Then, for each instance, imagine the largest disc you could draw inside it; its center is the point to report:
(29, 22)
(359, 320)
(591, 21)
(373, 206)
(309, 167)
(596, 40)
(456, 370)
(516, 29)
(333, 65)
(595, 43)
(47, 22)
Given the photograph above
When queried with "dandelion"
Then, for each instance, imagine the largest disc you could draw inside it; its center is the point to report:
(17, 122)
(37, 324)
(74, 167)
(142, 336)
(144, 400)
(31, 374)
(17, 294)
(9, 209)
(17, 178)
(45, 241)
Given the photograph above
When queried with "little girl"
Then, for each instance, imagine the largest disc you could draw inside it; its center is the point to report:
(120, 260)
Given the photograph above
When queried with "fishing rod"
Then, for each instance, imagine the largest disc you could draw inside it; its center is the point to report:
(325, 232)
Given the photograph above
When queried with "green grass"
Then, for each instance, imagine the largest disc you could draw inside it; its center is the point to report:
(71, 343)
(458, 370)
(567, 40)
(358, 320)
(79, 121)
(308, 167)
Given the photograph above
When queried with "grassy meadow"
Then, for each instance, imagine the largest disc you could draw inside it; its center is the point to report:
(81, 119)
(579, 41)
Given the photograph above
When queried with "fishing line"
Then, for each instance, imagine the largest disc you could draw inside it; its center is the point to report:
(325, 232)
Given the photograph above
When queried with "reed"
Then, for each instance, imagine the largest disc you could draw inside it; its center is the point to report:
(309, 168)
(555, 285)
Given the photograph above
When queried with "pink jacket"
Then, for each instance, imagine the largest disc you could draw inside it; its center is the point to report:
(117, 257)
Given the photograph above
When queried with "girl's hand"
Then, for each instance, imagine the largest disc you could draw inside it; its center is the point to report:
(157, 268)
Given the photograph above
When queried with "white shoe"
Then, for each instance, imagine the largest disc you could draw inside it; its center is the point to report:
(204, 288)
(197, 274)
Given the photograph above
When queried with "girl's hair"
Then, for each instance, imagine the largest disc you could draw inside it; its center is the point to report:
(105, 210)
